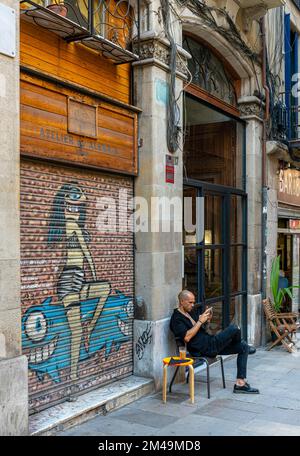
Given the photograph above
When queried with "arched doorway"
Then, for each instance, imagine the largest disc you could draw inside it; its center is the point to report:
(215, 253)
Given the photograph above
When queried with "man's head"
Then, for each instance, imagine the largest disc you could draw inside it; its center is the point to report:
(186, 300)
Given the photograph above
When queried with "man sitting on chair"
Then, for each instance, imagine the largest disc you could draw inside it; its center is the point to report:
(187, 323)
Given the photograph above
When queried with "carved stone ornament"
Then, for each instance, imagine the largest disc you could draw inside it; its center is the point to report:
(251, 107)
(159, 51)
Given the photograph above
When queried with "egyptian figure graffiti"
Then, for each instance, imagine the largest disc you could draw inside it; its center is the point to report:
(88, 315)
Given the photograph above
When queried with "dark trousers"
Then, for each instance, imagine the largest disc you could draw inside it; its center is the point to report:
(229, 342)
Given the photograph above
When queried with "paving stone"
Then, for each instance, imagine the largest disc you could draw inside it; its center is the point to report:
(105, 425)
(264, 427)
(279, 415)
(217, 410)
(170, 408)
(155, 420)
(275, 411)
(195, 425)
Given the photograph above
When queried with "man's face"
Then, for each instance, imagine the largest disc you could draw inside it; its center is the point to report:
(188, 303)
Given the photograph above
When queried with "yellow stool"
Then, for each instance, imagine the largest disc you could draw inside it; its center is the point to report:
(188, 362)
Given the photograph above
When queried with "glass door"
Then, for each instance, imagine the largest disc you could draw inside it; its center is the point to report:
(215, 257)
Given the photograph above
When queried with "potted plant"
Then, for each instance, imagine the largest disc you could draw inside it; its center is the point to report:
(58, 8)
(278, 293)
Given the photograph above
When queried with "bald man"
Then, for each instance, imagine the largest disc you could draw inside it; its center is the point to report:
(188, 324)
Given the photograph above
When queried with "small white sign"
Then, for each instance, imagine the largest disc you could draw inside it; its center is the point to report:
(7, 31)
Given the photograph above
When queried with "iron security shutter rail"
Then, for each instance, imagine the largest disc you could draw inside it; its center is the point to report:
(71, 269)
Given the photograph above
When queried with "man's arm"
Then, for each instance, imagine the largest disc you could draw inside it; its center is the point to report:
(193, 331)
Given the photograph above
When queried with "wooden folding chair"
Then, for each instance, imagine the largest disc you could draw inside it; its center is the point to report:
(283, 325)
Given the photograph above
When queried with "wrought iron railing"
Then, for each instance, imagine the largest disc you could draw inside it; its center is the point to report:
(106, 25)
(285, 119)
(297, 3)
(295, 123)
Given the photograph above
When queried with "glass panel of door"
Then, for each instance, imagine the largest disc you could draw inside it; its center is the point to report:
(215, 262)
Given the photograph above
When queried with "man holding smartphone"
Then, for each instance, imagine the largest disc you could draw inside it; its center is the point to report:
(188, 323)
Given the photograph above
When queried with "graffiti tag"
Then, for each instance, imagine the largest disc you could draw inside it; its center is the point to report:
(144, 340)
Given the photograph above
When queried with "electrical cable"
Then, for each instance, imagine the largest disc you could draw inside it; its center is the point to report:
(173, 111)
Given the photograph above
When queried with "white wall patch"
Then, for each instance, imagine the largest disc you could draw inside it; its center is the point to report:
(7, 31)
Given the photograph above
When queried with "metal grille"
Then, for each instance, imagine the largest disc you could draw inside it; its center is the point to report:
(108, 26)
(297, 3)
(71, 270)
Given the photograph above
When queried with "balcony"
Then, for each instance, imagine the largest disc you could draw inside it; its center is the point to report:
(285, 124)
(107, 26)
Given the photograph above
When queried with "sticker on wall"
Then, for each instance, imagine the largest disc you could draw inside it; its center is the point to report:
(161, 91)
(170, 168)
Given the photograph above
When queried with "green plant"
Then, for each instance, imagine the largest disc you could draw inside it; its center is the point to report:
(278, 293)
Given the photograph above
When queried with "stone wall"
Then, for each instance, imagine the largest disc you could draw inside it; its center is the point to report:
(13, 366)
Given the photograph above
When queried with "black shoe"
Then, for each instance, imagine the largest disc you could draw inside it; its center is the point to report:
(246, 389)
(252, 350)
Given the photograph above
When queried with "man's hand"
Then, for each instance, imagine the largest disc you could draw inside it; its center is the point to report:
(205, 316)
(210, 314)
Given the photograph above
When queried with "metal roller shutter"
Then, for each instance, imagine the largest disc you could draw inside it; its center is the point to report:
(77, 281)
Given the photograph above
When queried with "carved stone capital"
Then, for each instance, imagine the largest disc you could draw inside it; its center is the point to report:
(157, 51)
(250, 107)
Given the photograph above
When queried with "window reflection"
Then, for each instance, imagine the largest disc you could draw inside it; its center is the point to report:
(213, 272)
(213, 145)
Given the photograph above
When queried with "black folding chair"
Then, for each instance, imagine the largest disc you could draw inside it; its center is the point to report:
(199, 361)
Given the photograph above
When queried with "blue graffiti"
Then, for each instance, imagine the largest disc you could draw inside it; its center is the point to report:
(46, 335)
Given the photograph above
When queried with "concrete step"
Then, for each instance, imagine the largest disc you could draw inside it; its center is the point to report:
(89, 405)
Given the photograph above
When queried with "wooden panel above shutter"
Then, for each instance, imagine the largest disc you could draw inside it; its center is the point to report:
(45, 134)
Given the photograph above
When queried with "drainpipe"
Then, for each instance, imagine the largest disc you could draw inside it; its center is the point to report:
(264, 173)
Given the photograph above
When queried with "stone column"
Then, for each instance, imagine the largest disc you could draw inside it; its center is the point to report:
(158, 254)
(13, 366)
(251, 110)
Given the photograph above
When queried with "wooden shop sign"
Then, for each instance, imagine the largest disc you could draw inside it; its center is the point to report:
(289, 186)
(65, 126)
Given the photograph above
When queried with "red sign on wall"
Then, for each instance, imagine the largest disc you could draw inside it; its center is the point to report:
(294, 224)
(170, 169)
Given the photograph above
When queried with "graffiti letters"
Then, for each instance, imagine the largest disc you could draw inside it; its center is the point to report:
(144, 340)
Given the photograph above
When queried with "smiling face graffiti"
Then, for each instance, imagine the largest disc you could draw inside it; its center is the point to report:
(36, 329)
(47, 336)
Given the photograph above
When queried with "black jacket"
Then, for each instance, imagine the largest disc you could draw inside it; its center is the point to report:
(202, 343)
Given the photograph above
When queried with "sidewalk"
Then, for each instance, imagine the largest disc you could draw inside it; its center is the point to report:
(275, 411)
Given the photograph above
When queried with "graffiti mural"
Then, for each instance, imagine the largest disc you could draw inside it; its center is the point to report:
(47, 335)
(68, 223)
(77, 283)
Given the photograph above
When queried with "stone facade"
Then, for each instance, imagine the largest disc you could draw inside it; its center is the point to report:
(158, 256)
(13, 366)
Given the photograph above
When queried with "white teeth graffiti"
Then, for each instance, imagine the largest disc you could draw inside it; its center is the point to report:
(41, 354)
(130, 309)
(124, 327)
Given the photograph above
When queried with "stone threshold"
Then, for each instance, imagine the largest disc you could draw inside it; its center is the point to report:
(89, 405)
